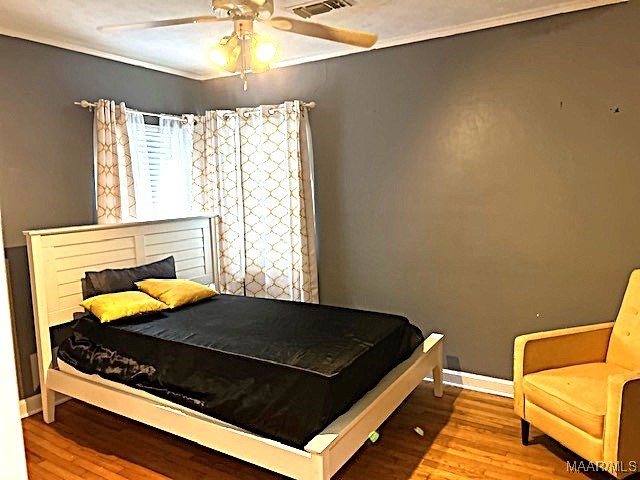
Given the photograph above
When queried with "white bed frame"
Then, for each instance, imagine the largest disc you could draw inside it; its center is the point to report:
(58, 259)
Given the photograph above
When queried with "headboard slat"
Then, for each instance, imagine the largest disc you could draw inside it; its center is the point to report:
(174, 247)
(194, 274)
(86, 262)
(172, 237)
(95, 247)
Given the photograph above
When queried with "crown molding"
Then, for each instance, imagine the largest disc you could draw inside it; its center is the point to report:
(468, 27)
(498, 21)
(101, 54)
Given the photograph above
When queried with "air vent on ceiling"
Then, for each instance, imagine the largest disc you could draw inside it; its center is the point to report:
(309, 10)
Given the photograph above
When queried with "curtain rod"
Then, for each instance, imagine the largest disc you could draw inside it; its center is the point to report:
(90, 105)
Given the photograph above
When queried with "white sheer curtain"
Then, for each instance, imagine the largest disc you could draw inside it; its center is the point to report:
(140, 154)
(254, 168)
(174, 184)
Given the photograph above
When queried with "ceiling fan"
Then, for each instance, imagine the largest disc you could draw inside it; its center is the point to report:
(244, 50)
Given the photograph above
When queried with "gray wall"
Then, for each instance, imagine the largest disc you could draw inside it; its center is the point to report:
(46, 148)
(484, 185)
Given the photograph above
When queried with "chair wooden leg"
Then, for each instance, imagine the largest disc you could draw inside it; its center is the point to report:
(524, 429)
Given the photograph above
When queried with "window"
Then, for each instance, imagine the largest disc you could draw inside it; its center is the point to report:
(157, 157)
(161, 159)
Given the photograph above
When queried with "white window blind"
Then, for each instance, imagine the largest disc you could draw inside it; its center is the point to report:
(161, 157)
(157, 158)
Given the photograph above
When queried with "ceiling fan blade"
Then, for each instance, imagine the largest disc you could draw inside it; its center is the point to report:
(161, 23)
(336, 34)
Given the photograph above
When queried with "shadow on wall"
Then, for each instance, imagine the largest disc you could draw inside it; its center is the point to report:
(453, 363)
(18, 272)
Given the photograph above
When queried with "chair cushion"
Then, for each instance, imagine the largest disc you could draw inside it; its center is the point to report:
(576, 394)
(624, 345)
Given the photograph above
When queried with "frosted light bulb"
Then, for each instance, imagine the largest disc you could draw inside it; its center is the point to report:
(265, 51)
(217, 56)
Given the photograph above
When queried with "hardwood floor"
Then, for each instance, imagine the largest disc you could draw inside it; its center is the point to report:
(466, 435)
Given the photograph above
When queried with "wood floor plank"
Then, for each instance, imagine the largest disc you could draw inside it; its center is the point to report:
(37, 472)
(467, 435)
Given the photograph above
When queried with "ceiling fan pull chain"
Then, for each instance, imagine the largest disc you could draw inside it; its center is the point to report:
(243, 57)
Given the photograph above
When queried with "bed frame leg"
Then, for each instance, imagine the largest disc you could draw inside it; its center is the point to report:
(438, 386)
(48, 405)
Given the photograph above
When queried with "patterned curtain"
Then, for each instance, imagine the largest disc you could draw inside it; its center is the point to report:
(115, 193)
(253, 167)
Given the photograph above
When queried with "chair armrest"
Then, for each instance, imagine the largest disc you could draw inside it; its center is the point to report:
(560, 348)
(554, 349)
(622, 423)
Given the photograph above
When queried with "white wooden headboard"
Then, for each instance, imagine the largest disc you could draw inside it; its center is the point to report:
(59, 257)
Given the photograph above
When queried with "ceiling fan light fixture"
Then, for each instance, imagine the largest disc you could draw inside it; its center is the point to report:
(225, 54)
(218, 56)
(265, 50)
(257, 67)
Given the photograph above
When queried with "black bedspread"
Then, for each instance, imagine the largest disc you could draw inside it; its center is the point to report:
(280, 369)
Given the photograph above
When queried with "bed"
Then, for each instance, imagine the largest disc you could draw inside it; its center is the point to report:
(339, 387)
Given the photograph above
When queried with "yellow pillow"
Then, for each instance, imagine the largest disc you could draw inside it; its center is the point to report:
(114, 306)
(175, 293)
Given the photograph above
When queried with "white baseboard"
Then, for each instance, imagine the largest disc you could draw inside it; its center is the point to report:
(32, 405)
(470, 381)
(478, 383)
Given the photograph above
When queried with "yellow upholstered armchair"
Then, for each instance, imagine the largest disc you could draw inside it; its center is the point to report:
(581, 386)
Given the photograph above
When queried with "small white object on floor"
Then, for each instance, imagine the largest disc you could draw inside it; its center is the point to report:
(419, 431)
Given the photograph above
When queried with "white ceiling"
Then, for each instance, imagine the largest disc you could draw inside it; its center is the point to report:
(182, 50)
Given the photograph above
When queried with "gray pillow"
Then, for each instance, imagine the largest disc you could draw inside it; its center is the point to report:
(114, 280)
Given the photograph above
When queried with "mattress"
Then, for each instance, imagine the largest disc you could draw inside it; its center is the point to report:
(95, 378)
(284, 370)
